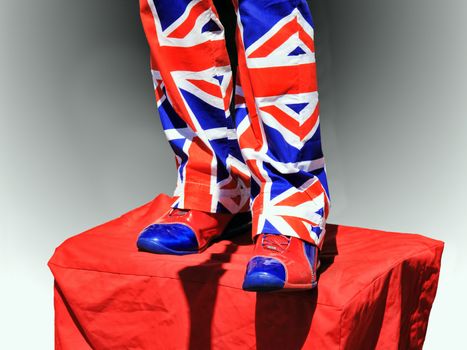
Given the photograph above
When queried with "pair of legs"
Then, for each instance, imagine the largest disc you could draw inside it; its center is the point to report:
(249, 145)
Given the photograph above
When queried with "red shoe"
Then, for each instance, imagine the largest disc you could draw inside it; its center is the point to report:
(183, 231)
(281, 263)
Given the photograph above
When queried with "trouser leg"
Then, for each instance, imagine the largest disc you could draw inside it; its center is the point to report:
(193, 86)
(278, 129)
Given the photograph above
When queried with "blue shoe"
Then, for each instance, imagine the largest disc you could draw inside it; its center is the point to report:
(182, 231)
(281, 263)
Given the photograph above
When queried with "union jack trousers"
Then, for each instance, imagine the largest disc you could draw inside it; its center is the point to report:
(267, 156)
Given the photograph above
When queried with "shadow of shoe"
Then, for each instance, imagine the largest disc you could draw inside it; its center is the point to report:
(201, 297)
(329, 250)
(278, 330)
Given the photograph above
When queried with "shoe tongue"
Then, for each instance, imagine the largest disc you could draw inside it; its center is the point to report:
(274, 242)
(178, 212)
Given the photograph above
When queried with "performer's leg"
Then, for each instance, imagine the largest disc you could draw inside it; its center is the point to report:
(193, 86)
(280, 140)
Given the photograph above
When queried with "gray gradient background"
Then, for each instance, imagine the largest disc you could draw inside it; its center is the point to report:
(81, 143)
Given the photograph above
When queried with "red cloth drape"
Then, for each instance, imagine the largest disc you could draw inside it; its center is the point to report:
(375, 290)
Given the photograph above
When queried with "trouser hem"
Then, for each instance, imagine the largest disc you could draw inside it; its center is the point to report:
(231, 201)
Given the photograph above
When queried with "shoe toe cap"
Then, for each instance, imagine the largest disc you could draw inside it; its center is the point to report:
(264, 274)
(167, 239)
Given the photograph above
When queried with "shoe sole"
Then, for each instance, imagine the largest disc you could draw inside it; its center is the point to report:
(239, 224)
(288, 287)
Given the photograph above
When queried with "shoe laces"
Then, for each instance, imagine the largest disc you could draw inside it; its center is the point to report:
(275, 242)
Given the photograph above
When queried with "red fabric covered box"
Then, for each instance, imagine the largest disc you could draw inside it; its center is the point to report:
(375, 290)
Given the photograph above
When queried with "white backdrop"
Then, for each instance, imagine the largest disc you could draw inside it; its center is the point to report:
(80, 142)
